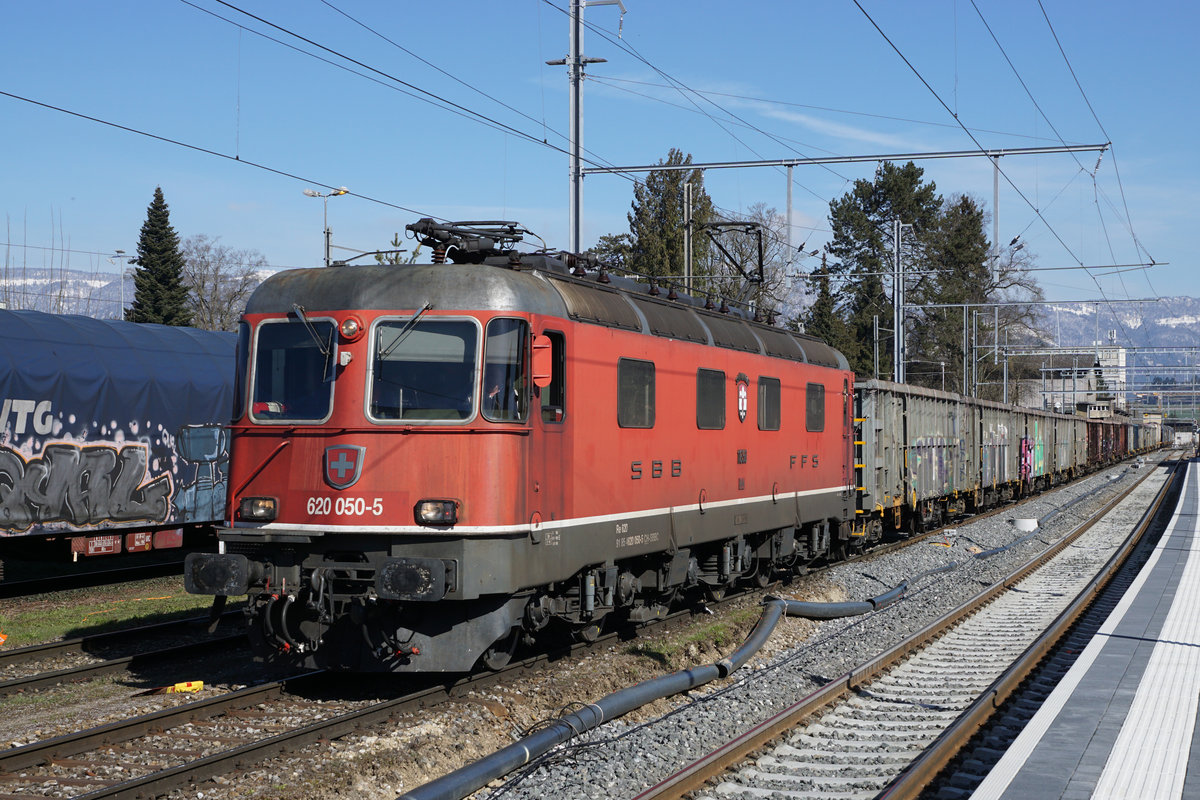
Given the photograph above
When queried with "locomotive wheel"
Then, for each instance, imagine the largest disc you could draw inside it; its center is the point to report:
(501, 652)
(762, 578)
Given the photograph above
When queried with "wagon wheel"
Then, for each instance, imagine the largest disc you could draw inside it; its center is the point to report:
(762, 577)
(501, 652)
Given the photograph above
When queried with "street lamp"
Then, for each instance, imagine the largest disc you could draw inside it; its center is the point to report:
(117, 259)
(325, 200)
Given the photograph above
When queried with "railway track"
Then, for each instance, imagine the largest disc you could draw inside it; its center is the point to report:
(155, 753)
(857, 735)
(115, 652)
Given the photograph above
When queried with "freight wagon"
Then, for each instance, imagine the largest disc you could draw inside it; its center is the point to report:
(113, 436)
(923, 456)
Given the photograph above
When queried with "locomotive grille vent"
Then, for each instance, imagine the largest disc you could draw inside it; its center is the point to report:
(592, 304)
(731, 333)
(780, 344)
(672, 321)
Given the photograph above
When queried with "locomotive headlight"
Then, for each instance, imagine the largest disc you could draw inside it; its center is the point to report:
(257, 509)
(436, 512)
(351, 328)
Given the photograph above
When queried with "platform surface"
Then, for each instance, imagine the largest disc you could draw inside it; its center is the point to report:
(1122, 721)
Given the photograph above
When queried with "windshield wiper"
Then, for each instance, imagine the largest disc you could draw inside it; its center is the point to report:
(326, 347)
(408, 326)
(312, 331)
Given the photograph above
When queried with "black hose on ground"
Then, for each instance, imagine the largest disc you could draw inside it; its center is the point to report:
(476, 775)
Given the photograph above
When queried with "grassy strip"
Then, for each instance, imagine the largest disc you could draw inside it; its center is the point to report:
(674, 652)
(81, 612)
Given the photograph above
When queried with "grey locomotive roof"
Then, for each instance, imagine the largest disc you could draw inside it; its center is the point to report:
(388, 287)
(539, 286)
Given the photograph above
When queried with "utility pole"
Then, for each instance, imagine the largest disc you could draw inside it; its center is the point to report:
(898, 343)
(687, 237)
(575, 63)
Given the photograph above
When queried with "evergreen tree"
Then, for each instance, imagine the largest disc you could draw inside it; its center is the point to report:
(862, 248)
(613, 249)
(821, 319)
(656, 221)
(958, 273)
(160, 294)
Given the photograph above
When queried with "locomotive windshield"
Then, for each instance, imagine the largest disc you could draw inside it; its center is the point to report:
(423, 370)
(291, 364)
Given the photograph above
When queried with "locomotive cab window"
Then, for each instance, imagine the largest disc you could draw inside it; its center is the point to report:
(768, 404)
(554, 396)
(635, 393)
(505, 378)
(814, 407)
(710, 400)
(423, 370)
(293, 368)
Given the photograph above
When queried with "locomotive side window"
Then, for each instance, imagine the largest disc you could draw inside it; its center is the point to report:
(814, 407)
(423, 371)
(710, 400)
(291, 363)
(505, 383)
(554, 396)
(635, 393)
(768, 404)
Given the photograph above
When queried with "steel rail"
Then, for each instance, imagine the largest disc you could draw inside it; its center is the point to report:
(693, 776)
(97, 641)
(161, 781)
(60, 748)
(122, 664)
(926, 767)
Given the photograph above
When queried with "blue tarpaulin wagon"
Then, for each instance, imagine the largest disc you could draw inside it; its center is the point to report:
(112, 434)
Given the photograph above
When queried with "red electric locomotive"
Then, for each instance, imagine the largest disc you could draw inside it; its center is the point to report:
(431, 462)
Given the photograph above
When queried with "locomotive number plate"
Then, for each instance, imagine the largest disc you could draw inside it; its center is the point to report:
(340, 506)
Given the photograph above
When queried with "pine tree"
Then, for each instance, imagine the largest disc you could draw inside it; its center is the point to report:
(958, 257)
(862, 246)
(821, 319)
(656, 220)
(160, 294)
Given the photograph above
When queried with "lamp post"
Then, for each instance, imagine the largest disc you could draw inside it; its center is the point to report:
(119, 260)
(325, 201)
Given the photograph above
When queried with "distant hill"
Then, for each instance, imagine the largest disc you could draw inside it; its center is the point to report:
(68, 291)
(65, 291)
(1171, 322)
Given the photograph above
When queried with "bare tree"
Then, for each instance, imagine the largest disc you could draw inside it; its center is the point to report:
(738, 255)
(219, 280)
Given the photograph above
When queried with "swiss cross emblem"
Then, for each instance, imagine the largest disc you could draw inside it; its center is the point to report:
(743, 395)
(343, 465)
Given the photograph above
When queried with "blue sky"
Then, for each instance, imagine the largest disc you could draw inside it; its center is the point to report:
(768, 80)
